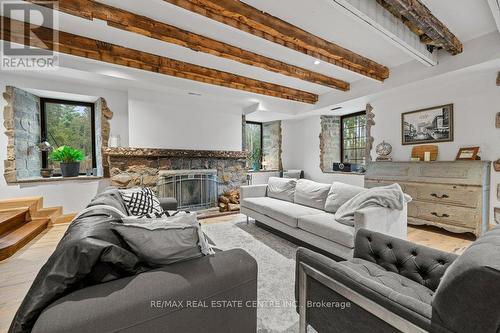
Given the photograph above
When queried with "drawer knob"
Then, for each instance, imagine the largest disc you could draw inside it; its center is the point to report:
(444, 196)
(442, 215)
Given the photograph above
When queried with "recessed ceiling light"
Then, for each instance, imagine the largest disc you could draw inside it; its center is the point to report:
(317, 62)
(194, 94)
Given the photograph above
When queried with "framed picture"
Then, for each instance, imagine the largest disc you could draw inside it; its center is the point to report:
(468, 153)
(427, 125)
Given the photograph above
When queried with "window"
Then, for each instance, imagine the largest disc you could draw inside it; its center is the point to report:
(254, 144)
(69, 123)
(353, 138)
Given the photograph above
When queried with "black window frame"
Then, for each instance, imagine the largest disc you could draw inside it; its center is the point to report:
(43, 125)
(350, 115)
(261, 139)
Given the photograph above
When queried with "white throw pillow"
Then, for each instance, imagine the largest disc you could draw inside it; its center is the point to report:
(339, 194)
(164, 241)
(311, 194)
(281, 188)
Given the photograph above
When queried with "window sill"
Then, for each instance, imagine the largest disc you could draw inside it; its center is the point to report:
(57, 179)
(345, 173)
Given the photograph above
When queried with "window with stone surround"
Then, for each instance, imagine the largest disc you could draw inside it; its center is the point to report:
(23, 121)
(353, 138)
(69, 123)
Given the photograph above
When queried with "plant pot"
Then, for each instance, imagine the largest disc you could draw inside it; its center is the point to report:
(70, 169)
(46, 172)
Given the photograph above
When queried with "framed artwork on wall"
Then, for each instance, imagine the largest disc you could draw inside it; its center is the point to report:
(429, 125)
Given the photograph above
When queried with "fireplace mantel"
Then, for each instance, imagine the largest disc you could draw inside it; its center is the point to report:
(131, 167)
(173, 153)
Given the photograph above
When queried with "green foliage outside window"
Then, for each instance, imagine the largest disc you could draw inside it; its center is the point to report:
(254, 145)
(70, 125)
(354, 138)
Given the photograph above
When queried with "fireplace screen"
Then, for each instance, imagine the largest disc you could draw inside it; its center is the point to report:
(193, 189)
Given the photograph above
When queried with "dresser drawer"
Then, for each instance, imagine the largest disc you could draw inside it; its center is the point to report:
(408, 188)
(460, 195)
(446, 214)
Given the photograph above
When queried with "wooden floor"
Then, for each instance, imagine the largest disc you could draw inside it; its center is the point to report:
(18, 271)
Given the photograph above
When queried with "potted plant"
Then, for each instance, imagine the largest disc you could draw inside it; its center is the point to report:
(69, 159)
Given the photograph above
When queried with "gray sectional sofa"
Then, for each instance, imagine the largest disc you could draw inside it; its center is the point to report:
(304, 210)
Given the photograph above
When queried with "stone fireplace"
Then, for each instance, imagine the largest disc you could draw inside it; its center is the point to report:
(193, 189)
(224, 171)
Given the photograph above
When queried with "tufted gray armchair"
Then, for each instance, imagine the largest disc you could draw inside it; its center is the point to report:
(392, 285)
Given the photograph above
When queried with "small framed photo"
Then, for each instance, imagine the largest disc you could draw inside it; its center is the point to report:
(468, 153)
(427, 125)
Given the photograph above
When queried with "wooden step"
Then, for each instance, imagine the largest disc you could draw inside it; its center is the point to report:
(66, 218)
(11, 219)
(33, 203)
(52, 213)
(13, 241)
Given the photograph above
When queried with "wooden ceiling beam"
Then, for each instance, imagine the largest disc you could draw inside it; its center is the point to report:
(145, 26)
(251, 20)
(19, 32)
(422, 22)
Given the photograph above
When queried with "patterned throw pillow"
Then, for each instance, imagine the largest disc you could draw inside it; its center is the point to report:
(141, 201)
(162, 214)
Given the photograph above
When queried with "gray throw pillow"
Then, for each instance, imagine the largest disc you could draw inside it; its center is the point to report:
(164, 241)
(281, 188)
(339, 194)
(311, 194)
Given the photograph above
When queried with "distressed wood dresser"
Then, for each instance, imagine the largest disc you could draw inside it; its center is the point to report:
(451, 195)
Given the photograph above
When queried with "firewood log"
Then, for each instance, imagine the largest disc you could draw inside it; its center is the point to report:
(224, 199)
(233, 207)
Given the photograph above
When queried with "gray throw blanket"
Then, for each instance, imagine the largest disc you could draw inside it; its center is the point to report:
(89, 253)
(390, 196)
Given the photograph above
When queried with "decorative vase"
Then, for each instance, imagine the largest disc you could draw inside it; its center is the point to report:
(46, 172)
(70, 169)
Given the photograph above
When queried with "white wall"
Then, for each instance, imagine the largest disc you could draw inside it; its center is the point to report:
(182, 122)
(72, 195)
(476, 100)
(301, 151)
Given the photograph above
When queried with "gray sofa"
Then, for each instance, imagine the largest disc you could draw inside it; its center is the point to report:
(392, 285)
(94, 283)
(299, 212)
(140, 303)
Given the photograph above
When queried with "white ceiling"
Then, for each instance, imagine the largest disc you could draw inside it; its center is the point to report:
(468, 19)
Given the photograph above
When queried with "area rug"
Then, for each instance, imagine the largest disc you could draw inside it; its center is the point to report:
(276, 270)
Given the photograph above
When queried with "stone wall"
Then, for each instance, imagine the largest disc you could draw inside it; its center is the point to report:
(131, 167)
(329, 142)
(22, 124)
(271, 134)
(102, 117)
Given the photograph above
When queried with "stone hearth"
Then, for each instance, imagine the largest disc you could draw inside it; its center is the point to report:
(131, 167)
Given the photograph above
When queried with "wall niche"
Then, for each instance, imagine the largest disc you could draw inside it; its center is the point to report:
(22, 123)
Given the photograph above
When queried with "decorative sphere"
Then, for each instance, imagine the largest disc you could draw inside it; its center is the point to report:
(383, 149)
